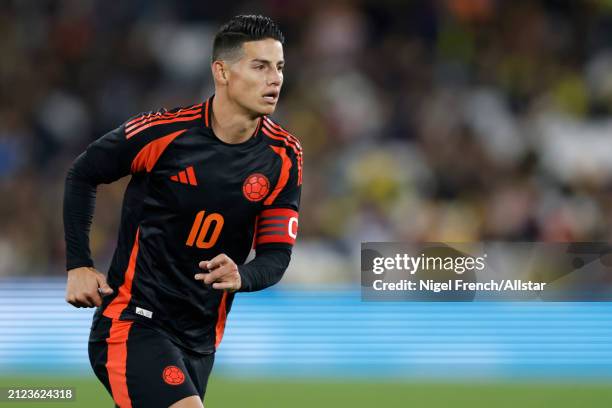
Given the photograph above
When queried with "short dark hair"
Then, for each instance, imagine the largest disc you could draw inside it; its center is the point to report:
(241, 29)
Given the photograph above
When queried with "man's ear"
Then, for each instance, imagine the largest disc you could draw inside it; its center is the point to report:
(220, 72)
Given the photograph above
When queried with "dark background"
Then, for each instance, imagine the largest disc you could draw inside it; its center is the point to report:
(450, 120)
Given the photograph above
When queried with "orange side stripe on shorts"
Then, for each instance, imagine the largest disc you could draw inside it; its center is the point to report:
(116, 363)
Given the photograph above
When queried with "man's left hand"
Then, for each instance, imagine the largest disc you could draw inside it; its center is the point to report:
(222, 273)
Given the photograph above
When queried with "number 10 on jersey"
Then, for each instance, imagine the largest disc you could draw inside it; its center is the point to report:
(205, 230)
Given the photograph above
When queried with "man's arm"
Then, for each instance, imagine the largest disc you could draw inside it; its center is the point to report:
(79, 205)
(265, 270)
(133, 147)
(85, 284)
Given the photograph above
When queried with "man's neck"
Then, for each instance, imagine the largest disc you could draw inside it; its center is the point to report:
(230, 123)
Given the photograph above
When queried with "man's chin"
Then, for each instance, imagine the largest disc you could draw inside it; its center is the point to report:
(266, 110)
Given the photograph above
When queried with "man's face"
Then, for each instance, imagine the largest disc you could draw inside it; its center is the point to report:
(255, 80)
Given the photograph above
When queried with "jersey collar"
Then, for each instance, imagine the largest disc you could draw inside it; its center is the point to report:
(207, 116)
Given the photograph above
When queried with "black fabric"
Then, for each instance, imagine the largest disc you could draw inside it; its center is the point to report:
(265, 270)
(149, 355)
(79, 205)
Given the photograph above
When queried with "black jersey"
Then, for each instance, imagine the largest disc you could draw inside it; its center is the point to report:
(191, 197)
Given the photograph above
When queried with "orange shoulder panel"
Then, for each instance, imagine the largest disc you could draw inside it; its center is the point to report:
(147, 157)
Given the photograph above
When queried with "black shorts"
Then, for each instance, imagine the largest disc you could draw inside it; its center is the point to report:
(140, 367)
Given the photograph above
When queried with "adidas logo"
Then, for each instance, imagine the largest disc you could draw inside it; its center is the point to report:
(186, 176)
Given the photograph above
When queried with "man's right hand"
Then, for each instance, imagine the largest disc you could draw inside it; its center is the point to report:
(85, 287)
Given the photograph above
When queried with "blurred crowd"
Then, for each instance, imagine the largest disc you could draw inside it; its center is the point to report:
(448, 120)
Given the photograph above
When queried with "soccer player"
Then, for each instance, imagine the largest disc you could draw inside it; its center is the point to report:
(208, 182)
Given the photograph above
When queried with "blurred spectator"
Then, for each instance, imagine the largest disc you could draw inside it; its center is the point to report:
(451, 120)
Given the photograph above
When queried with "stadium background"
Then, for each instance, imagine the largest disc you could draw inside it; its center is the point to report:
(449, 120)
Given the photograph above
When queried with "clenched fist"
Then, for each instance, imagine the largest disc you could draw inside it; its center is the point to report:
(85, 287)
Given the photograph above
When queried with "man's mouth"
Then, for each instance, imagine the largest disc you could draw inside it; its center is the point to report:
(271, 96)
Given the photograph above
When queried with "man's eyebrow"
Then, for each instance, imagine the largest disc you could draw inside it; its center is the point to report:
(265, 61)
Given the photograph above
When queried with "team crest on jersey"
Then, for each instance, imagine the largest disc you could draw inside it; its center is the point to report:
(173, 375)
(256, 187)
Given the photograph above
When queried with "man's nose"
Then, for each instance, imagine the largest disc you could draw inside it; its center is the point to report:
(274, 78)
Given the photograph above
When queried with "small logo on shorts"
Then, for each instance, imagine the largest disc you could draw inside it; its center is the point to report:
(173, 375)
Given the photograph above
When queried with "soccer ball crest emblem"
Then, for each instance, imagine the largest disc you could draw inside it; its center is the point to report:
(173, 375)
(256, 187)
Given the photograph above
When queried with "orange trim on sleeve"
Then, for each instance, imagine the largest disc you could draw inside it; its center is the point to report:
(285, 138)
(116, 363)
(284, 174)
(276, 129)
(159, 113)
(136, 123)
(147, 157)
(289, 141)
(161, 122)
